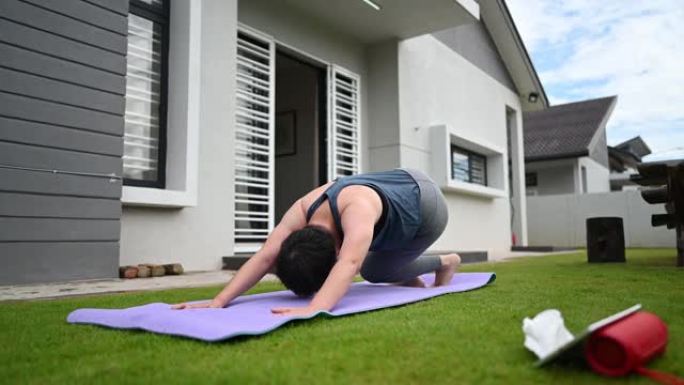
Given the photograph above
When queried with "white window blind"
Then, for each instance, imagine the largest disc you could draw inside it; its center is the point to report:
(468, 166)
(157, 3)
(344, 135)
(143, 98)
(478, 169)
(254, 140)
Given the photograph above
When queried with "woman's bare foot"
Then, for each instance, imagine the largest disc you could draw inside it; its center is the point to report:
(415, 282)
(450, 263)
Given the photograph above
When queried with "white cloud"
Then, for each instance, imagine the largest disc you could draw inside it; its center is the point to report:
(586, 49)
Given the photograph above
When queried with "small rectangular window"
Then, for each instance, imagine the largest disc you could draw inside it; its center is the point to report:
(146, 73)
(468, 166)
(530, 179)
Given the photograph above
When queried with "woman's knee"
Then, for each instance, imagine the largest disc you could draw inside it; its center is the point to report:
(372, 275)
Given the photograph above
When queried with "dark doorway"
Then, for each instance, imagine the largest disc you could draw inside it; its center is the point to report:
(300, 129)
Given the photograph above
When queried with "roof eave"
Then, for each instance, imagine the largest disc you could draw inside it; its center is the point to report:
(525, 53)
(601, 129)
(499, 22)
(570, 155)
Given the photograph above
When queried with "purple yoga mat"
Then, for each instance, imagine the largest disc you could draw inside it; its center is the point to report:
(251, 314)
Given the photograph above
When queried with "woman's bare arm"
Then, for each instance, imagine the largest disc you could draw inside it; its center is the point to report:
(357, 221)
(258, 265)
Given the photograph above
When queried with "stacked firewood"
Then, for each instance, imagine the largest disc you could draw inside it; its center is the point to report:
(149, 270)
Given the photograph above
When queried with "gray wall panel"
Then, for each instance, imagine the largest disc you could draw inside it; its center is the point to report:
(28, 205)
(58, 184)
(21, 131)
(61, 25)
(60, 92)
(48, 112)
(62, 87)
(118, 6)
(55, 230)
(26, 262)
(60, 47)
(32, 62)
(87, 13)
(20, 155)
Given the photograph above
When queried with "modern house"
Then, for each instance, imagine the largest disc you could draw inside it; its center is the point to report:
(565, 148)
(624, 159)
(157, 131)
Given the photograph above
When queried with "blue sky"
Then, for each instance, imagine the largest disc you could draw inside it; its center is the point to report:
(585, 49)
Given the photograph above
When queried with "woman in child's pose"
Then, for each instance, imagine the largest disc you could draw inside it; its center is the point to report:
(378, 224)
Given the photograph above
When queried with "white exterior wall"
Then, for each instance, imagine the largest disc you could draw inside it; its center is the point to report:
(554, 177)
(197, 236)
(564, 176)
(437, 86)
(560, 220)
(383, 106)
(598, 176)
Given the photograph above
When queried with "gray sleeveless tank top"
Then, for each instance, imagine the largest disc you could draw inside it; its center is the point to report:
(400, 197)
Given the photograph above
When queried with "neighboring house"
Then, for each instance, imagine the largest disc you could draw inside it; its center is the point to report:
(565, 148)
(624, 159)
(134, 132)
(570, 171)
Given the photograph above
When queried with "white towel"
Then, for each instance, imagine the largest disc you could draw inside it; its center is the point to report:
(545, 333)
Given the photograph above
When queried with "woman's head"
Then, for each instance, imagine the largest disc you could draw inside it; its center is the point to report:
(305, 260)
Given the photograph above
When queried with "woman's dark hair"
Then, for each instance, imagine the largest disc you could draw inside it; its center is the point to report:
(305, 260)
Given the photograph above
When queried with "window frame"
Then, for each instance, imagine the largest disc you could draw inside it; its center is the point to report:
(470, 154)
(161, 16)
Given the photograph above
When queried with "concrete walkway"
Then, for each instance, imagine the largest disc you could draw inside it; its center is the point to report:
(192, 279)
(520, 254)
(100, 286)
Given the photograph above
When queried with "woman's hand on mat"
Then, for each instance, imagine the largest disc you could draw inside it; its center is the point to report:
(212, 304)
(294, 311)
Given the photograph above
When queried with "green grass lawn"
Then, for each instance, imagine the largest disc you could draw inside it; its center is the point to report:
(466, 338)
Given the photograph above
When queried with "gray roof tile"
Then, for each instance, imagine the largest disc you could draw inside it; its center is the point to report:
(564, 130)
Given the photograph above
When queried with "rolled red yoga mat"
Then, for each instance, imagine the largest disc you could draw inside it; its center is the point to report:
(628, 345)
